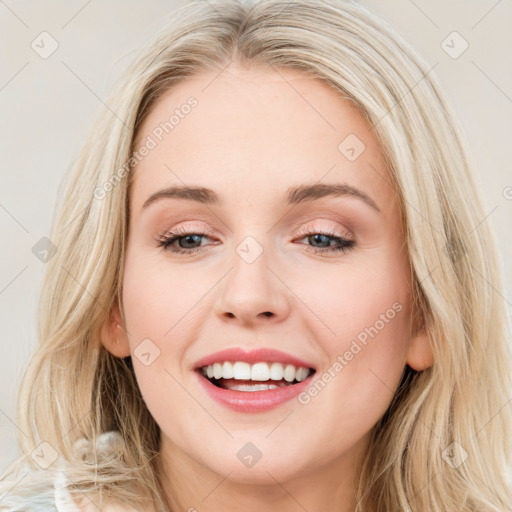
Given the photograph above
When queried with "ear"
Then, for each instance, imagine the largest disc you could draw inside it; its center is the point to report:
(113, 334)
(419, 354)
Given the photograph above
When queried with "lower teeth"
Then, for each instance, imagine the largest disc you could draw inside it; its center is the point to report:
(252, 387)
(232, 385)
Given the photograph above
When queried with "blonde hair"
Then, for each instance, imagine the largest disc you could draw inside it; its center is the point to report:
(444, 442)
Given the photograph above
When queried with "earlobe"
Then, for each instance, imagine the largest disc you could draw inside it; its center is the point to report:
(113, 335)
(420, 355)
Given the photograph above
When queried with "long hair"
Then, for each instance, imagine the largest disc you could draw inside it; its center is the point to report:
(444, 444)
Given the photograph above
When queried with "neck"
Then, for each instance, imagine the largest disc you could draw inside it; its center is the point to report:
(191, 486)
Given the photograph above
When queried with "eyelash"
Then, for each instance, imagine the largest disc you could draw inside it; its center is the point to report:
(166, 239)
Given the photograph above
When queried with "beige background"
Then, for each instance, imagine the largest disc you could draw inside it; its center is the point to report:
(48, 104)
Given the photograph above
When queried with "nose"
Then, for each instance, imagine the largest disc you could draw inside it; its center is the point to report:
(253, 293)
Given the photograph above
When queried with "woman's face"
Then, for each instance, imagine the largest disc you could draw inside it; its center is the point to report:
(262, 269)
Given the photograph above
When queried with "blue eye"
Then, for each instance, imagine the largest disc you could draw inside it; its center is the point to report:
(165, 241)
(341, 243)
(186, 239)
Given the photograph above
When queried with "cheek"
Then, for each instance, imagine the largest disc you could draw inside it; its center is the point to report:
(155, 298)
(363, 318)
(161, 307)
(153, 308)
(365, 348)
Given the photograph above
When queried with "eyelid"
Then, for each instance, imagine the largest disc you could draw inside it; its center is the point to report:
(188, 227)
(302, 227)
(342, 225)
(334, 225)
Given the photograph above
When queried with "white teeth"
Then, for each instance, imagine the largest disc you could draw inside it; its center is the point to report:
(252, 387)
(276, 371)
(227, 370)
(289, 372)
(301, 373)
(261, 371)
(217, 370)
(241, 371)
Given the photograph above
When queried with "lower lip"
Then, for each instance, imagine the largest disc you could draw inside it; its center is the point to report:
(253, 401)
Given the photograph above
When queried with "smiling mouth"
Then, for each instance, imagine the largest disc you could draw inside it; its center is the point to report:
(241, 376)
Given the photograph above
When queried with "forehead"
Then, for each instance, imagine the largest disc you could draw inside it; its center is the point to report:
(254, 132)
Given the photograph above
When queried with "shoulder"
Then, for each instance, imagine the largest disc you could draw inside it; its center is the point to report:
(83, 502)
(28, 488)
(65, 501)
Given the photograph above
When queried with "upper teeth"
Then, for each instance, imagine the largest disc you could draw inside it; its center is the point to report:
(258, 371)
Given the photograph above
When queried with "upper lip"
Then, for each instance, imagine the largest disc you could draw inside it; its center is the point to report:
(252, 356)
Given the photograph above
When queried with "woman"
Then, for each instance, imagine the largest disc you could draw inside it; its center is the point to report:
(255, 369)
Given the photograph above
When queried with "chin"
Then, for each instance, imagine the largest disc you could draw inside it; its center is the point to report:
(263, 472)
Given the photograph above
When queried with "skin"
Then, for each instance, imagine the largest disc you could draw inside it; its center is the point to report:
(255, 133)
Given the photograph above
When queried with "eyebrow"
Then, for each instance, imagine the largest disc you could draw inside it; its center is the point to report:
(294, 195)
